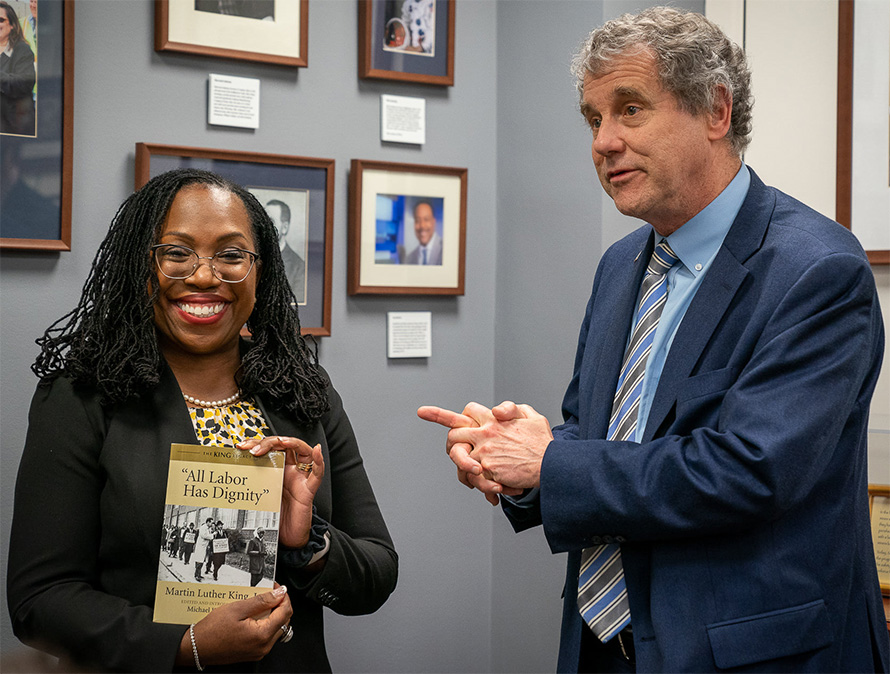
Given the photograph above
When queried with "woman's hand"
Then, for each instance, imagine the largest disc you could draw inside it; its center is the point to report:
(303, 471)
(243, 631)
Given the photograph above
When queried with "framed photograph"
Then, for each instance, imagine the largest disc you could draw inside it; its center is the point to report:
(407, 229)
(863, 123)
(879, 509)
(36, 126)
(297, 193)
(406, 40)
(268, 31)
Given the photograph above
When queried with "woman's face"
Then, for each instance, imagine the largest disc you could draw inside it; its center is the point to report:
(202, 315)
(5, 28)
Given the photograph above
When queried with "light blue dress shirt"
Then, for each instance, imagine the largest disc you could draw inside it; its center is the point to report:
(696, 244)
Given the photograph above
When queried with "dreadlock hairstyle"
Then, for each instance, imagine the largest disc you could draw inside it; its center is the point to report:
(108, 341)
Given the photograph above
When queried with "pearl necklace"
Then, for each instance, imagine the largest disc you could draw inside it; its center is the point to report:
(213, 403)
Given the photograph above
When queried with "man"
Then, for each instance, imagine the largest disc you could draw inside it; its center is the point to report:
(219, 557)
(189, 538)
(294, 265)
(256, 556)
(429, 244)
(205, 547)
(718, 518)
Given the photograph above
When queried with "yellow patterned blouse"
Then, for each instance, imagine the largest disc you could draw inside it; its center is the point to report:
(225, 426)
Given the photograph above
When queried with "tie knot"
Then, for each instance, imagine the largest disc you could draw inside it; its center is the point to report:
(663, 258)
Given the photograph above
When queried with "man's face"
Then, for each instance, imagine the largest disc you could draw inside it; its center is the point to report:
(652, 157)
(424, 223)
(274, 211)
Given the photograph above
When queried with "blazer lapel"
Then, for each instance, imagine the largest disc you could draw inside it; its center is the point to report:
(613, 339)
(155, 421)
(713, 298)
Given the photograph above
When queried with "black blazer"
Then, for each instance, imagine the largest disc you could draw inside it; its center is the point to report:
(89, 506)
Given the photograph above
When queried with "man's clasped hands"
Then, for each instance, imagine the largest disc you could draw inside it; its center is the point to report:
(498, 450)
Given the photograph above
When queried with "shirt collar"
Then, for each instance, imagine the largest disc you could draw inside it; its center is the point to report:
(698, 240)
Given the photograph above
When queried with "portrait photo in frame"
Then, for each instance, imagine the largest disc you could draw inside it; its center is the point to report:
(406, 40)
(298, 195)
(267, 31)
(36, 138)
(407, 229)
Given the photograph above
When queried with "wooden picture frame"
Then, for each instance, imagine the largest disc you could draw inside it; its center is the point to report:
(184, 26)
(304, 184)
(35, 207)
(845, 123)
(879, 514)
(407, 229)
(413, 43)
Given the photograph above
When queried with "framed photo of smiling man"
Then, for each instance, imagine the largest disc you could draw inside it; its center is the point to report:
(297, 194)
(407, 229)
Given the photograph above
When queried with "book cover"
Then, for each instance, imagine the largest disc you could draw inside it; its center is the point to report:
(219, 536)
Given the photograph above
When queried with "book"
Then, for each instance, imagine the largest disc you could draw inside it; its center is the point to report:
(219, 537)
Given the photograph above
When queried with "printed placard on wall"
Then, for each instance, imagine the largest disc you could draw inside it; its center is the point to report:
(407, 229)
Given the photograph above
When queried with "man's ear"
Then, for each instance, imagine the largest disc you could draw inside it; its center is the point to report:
(720, 117)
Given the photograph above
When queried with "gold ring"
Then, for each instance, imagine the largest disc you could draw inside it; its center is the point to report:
(288, 633)
(305, 467)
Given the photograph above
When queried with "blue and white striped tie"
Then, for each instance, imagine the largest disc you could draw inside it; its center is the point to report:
(602, 594)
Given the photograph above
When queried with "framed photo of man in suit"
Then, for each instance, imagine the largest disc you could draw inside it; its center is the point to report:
(289, 210)
(407, 229)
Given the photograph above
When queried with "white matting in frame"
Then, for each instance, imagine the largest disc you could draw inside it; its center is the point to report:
(445, 187)
(280, 36)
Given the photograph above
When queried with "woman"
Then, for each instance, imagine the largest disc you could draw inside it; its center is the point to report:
(17, 76)
(152, 356)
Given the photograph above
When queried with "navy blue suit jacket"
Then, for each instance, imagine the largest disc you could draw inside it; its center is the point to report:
(743, 515)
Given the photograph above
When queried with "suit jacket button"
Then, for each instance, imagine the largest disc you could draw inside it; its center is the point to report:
(596, 540)
(620, 539)
(608, 539)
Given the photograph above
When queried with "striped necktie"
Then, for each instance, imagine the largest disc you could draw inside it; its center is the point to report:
(424, 255)
(602, 595)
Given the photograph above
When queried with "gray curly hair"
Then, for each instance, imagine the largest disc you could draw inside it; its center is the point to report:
(694, 58)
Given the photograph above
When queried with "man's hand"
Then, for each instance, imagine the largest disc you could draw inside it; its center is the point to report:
(497, 451)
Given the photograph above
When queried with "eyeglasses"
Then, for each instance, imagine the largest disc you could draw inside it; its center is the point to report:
(231, 265)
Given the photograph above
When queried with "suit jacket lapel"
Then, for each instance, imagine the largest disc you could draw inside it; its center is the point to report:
(724, 278)
(614, 339)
